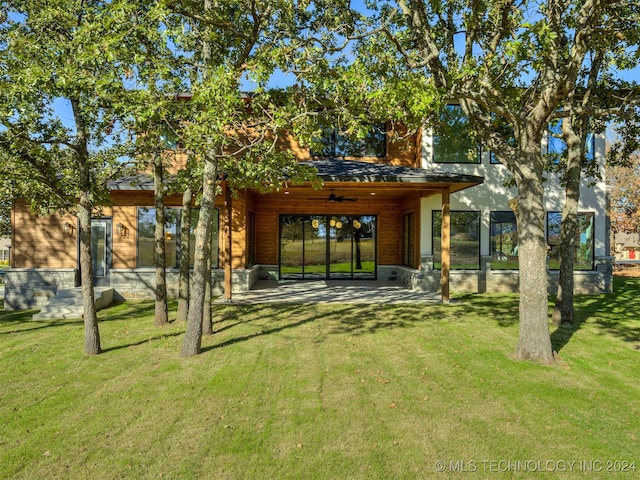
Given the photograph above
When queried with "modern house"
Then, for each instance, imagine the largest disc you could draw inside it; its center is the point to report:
(377, 217)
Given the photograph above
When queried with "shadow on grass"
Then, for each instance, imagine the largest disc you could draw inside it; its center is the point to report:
(614, 314)
(353, 319)
(340, 319)
(141, 342)
(257, 334)
(502, 308)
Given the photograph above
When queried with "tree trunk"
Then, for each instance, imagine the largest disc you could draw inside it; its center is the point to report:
(207, 320)
(534, 340)
(90, 316)
(85, 209)
(228, 279)
(563, 312)
(161, 311)
(193, 334)
(185, 246)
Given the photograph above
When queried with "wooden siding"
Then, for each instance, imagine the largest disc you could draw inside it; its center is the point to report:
(270, 207)
(411, 204)
(40, 241)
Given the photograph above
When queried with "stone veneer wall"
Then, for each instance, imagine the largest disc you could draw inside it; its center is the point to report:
(32, 288)
(487, 280)
(139, 283)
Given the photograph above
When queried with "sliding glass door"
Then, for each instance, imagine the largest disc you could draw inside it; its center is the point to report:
(328, 246)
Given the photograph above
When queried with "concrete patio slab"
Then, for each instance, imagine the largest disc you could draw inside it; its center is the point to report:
(331, 291)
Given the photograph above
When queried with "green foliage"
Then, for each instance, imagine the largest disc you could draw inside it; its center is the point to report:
(61, 57)
(625, 202)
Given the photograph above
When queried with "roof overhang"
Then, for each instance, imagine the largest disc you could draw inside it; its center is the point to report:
(354, 175)
(355, 172)
(140, 181)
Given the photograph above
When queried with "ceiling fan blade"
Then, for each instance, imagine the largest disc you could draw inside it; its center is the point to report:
(339, 198)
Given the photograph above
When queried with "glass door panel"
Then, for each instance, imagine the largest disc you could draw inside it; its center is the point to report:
(315, 246)
(322, 246)
(340, 247)
(364, 241)
(292, 246)
(101, 250)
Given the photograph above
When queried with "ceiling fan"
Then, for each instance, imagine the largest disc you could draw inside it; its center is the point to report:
(340, 198)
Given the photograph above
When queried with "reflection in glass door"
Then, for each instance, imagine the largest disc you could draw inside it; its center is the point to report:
(315, 247)
(321, 246)
(101, 250)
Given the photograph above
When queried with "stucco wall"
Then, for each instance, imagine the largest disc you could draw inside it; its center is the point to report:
(492, 195)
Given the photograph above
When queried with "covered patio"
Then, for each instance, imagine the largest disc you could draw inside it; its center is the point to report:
(331, 291)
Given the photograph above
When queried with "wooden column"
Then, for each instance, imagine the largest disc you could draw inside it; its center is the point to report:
(445, 244)
(227, 249)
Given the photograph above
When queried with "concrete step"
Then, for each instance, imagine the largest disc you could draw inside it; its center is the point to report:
(68, 303)
(57, 313)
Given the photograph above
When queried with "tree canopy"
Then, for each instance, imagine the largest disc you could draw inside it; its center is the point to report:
(511, 66)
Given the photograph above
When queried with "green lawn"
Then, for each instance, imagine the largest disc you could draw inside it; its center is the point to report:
(324, 392)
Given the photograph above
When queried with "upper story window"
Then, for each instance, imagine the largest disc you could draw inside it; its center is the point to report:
(335, 144)
(556, 146)
(452, 139)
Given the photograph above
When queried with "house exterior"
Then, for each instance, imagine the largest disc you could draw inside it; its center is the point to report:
(377, 217)
(5, 250)
(627, 246)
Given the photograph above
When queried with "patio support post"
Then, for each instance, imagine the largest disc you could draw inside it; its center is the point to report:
(227, 249)
(445, 244)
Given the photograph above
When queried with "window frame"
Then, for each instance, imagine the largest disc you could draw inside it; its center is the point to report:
(499, 259)
(175, 233)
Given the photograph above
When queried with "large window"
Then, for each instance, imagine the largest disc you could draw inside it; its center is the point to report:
(146, 236)
(556, 147)
(583, 256)
(328, 246)
(465, 239)
(334, 143)
(504, 240)
(452, 139)
(408, 239)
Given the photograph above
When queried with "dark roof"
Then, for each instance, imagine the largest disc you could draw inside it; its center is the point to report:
(140, 181)
(353, 171)
(628, 239)
(335, 170)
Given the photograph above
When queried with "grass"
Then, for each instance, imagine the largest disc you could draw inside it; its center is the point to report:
(324, 391)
